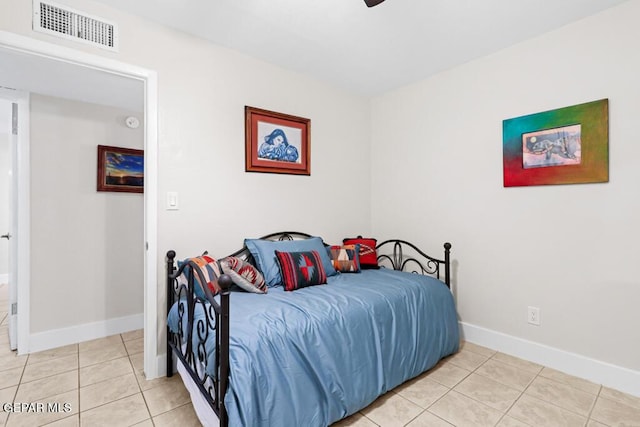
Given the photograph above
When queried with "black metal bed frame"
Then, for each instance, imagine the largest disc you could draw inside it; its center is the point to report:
(217, 319)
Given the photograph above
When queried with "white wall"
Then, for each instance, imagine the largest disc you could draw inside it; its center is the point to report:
(203, 89)
(86, 246)
(5, 163)
(571, 250)
(434, 152)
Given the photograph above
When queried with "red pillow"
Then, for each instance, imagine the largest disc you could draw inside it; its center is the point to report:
(368, 254)
(301, 269)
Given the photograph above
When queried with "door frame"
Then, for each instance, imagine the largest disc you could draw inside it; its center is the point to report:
(20, 202)
(149, 78)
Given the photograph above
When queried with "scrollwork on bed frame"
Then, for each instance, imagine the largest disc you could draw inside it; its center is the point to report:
(425, 265)
(217, 313)
(216, 321)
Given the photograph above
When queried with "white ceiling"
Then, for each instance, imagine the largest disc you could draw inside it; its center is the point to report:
(365, 50)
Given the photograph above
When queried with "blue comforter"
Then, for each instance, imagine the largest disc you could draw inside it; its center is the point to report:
(315, 355)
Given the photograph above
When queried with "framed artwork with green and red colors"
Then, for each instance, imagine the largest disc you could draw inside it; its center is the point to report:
(567, 145)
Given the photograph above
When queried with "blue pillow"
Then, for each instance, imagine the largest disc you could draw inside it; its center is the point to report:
(264, 254)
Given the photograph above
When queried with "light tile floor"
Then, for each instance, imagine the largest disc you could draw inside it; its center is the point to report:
(103, 384)
(101, 381)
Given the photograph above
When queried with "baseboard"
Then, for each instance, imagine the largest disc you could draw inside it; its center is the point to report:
(84, 332)
(161, 361)
(607, 374)
(4, 279)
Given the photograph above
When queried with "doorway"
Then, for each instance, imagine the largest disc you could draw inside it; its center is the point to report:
(12, 103)
(79, 62)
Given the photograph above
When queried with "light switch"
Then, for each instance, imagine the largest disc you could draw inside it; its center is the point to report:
(172, 201)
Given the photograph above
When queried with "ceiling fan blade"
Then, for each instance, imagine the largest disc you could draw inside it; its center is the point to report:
(371, 3)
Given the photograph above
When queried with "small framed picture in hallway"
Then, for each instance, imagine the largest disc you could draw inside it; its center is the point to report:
(120, 169)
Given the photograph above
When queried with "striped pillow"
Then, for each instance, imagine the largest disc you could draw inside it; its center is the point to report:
(301, 269)
(210, 271)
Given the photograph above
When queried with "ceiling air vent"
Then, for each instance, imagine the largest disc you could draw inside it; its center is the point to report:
(62, 21)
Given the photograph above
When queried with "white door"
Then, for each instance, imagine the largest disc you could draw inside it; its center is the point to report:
(8, 141)
(13, 104)
(13, 242)
(7, 267)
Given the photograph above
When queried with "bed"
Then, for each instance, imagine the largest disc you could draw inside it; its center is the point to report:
(315, 355)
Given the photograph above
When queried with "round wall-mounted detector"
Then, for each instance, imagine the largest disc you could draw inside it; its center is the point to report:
(132, 122)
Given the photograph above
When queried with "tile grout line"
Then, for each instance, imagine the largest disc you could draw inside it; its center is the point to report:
(46, 376)
(135, 374)
(98, 363)
(430, 413)
(364, 415)
(410, 401)
(558, 406)
(77, 389)
(78, 373)
(189, 403)
(15, 394)
(487, 358)
(504, 414)
(411, 420)
(108, 403)
(588, 416)
(500, 382)
(593, 406)
(521, 392)
(539, 374)
(449, 390)
(108, 379)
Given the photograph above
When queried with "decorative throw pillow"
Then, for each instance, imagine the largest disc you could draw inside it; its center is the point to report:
(244, 275)
(263, 252)
(346, 259)
(301, 269)
(210, 272)
(368, 254)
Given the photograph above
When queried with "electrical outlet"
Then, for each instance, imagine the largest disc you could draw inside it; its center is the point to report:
(533, 315)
